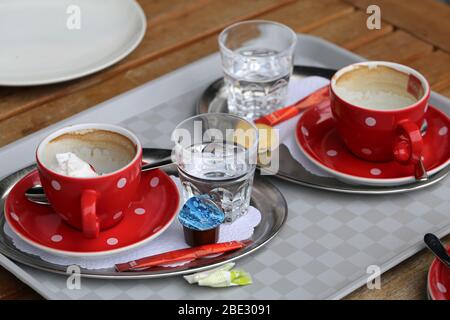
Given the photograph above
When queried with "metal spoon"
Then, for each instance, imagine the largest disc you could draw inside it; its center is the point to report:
(435, 245)
(155, 158)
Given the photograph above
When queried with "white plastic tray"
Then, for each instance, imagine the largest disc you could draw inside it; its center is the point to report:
(329, 239)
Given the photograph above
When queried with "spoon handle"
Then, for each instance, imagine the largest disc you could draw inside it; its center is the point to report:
(36, 193)
(435, 245)
(156, 165)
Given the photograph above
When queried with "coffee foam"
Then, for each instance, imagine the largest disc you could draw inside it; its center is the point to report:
(106, 151)
(377, 87)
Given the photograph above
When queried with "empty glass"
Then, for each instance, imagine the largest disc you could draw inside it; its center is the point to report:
(257, 59)
(216, 154)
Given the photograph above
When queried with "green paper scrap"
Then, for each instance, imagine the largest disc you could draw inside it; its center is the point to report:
(194, 278)
(222, 279)
(240, 277)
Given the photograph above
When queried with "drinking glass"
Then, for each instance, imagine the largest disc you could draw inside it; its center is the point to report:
(257, 59)
(216, 154)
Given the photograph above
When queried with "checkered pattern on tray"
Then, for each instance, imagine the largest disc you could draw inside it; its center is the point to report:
(327, 243)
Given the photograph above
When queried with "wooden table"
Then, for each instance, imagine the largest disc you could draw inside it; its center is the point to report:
(413, 32)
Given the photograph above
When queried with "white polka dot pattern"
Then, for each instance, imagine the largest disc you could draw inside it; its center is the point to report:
(139, 211)
(121, 183)
(371, 121)
(375, 171)
(15, 216)
(56, 238)
(112, 241)
(331, 153)
(305, 131)
(154, 182)
(441, 287)
(56, 185)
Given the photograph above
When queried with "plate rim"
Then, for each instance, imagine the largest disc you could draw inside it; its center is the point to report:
(90, 254)
(434, 264)
(89, 71)
(382, 182)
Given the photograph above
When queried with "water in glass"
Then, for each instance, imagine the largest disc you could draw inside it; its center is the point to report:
(257, 82)
(220, 170)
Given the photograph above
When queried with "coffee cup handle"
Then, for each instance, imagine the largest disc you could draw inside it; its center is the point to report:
(89, 220)
(408, 147)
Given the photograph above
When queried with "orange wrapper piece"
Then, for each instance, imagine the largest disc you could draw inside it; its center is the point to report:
(317, 97)
(181, 255)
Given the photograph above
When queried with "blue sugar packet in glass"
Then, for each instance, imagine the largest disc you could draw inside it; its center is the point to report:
(200, 213)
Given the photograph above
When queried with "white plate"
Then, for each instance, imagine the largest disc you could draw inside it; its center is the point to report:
(41, 44)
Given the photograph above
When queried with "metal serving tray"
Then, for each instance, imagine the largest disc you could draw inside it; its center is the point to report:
(214, 99)
(265, 197)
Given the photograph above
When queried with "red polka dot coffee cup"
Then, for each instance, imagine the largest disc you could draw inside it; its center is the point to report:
(90, 173)
(379, 108)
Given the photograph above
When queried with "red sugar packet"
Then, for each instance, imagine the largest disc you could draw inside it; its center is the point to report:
(181, 255)
(319, 96)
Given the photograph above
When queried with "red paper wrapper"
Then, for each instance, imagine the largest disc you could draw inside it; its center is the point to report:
(317, 97)
(187, 254)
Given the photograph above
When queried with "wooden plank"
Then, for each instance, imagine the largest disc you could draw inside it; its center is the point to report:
(350, 31)
(397, 46)
(198, 24)
(172, 61)
(428, 20)
(407, 280)
(50, 112)
(435, 67)
(445, 91)
(305, 15)
(300, 16)
(159, 39)
(158, 11)
(25, 294)
(9, 284)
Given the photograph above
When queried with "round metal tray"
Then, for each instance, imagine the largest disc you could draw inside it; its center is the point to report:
(214, 99)
(265, 197)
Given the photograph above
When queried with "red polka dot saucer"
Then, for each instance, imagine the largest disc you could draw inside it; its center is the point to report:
(152, 211)
(318, 139)
(439, 280)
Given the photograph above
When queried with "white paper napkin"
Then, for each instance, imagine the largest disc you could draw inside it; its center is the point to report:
(171, 239)
(299, 89)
